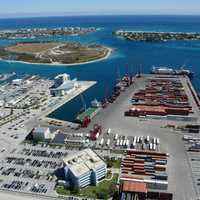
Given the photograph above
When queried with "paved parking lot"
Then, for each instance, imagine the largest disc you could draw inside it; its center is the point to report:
(30, 169)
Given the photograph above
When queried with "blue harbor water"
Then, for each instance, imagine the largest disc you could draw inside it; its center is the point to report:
(127, 56)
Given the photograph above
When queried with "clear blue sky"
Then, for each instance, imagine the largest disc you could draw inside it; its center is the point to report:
(59, 7)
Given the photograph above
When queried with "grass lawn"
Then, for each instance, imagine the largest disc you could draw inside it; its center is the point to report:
(61, 190)
(113, 163)
(93, 191)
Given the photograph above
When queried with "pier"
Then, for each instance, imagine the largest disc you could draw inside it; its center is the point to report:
(42, 117)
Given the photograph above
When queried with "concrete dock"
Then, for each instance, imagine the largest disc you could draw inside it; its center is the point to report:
(55, 103)
(59, 101)
(179, 171)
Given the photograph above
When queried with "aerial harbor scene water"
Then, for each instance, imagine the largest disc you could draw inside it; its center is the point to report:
(101, 105)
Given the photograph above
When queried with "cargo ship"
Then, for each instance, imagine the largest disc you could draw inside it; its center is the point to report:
(84, 118)
(120, 87)
(171, 71)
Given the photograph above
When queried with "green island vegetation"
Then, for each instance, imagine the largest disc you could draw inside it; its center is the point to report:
(53, 52)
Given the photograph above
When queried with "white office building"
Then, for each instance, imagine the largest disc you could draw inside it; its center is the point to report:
(84, 168)
(63, 85)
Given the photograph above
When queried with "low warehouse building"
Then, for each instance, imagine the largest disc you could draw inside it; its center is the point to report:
(42, 133)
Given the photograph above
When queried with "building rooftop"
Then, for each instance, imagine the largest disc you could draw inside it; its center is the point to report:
(66, 85)
(83, 161)
(62, 75)
(40, 129)
(129, 186)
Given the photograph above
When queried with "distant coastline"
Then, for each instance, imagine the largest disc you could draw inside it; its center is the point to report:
(150, 36)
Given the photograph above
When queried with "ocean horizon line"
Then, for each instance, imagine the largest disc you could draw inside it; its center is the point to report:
(94, 15)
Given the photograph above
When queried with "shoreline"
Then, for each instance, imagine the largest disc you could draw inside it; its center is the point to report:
(110, 50)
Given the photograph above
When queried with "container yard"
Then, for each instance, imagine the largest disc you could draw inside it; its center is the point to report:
(163, 96)
(144, 175)
(165, 128)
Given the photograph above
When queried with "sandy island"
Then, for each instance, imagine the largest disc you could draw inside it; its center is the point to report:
(65, 54)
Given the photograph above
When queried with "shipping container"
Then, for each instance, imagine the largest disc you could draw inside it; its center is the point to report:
(109, 131)
(147, 139)
(101, 141)
(121, 142)
(116, 136)
(108, 142)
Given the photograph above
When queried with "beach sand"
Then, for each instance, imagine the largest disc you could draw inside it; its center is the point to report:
(110, 50)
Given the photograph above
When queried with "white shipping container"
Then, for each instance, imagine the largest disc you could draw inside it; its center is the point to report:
(127, 143)
(147, 138)
(135, 139)
(117, 143)
(102, 141)
(108, 142)
(143, 146)
(116, 136)
(97, 135)
(124, 142)
(109, 131)
(150, 146)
